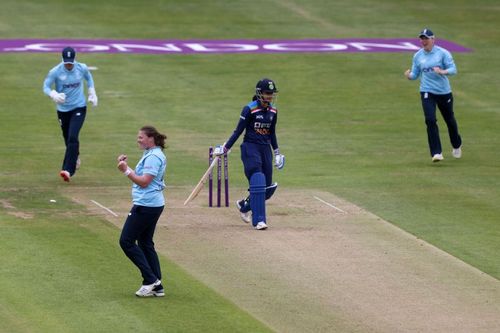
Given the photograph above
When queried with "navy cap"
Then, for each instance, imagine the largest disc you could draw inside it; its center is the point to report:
(427, 33)
(68, 55)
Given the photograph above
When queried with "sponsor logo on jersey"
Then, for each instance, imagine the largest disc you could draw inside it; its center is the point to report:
(262, 128)
(428, 69)
(71, 85)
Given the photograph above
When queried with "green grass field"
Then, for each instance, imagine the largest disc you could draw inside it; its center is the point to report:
(349, 124)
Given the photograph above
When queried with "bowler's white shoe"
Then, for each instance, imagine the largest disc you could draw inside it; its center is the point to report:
(246, 217)
(146, 289)
(78, 163)
(437, 157)
(261, 226)
(457, 152)
(158, 291)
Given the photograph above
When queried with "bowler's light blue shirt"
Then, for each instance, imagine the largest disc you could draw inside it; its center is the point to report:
(423, 63)
(153, 162)
(69, 83)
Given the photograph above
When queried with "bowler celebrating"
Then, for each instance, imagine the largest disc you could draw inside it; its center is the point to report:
(67, 79)
(258, 119)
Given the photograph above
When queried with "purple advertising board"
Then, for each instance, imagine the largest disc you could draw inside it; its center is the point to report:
(363, 45)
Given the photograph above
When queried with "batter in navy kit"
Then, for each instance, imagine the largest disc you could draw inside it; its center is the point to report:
(258, 119)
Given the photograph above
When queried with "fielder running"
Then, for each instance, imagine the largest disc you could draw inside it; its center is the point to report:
(435, 64)
(67, 78)
(258, 119)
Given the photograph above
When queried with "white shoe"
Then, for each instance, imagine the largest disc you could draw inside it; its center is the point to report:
(457, 152)
(78, 163)
(158, 292)
(246, 217)
(437, 157)
(261, 226)
(146, 290)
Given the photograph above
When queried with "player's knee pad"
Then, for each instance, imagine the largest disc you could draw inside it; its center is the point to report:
(258, 197)
(270, 190)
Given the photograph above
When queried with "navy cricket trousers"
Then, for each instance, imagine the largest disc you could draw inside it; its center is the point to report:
(71, 123)
(445, 105)
(136, 241)
(257, 158)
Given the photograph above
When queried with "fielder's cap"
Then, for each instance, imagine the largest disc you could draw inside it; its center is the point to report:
(68, 55)
(426, 33)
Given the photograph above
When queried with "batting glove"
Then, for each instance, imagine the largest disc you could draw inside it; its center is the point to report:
(220, 150)
(92, 96)
(279, 160)
(59, 98)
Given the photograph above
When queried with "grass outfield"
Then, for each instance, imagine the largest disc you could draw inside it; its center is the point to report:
(63, 272)
(349, 124)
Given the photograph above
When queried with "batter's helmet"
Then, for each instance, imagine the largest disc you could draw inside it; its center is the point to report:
(268, 87)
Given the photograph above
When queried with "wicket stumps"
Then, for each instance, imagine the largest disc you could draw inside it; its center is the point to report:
(222, 160)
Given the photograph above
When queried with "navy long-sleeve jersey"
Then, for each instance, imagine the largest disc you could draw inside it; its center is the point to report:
(259, 124)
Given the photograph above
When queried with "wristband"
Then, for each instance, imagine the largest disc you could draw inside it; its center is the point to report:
(276, 151)
(127, 172)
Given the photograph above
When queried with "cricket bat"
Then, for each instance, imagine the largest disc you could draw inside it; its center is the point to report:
(202, 181)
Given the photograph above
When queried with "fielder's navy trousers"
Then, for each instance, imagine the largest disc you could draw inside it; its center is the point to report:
(71, 123)
(445, 105)
(136, 241)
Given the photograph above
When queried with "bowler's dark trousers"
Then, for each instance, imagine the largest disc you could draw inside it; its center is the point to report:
(140, 227)
(445, 105)
(71, 124)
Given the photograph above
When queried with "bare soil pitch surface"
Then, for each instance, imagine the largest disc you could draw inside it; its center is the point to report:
(317, 269)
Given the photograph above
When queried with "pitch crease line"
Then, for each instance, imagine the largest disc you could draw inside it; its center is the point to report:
(105, 208)
(329, 204)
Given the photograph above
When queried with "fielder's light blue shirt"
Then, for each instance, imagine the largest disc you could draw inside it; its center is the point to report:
(69, 83)
(153, 162)
(423, 63)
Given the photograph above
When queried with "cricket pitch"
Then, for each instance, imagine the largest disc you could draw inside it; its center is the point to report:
(317, 268)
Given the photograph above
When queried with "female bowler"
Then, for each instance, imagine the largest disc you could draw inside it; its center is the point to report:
(136, 239)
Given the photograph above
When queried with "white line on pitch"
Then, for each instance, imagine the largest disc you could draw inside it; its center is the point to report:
(106, 208)
(329, 204)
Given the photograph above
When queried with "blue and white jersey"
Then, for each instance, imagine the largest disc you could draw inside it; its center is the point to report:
(153, 162)
(259, 124)
(69, 83)
(423, 64)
